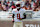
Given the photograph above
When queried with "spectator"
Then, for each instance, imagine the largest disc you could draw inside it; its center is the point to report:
(11, 3)
(35, 9)
(29, 7)
(32, 0)
(1, 6)
(8, 2)
(34, 3)
(4, 7)
(5, 2)
(24, 7)
(38, 7)
(38, 1)
(27, 3)
(7, 7)
(0, 2)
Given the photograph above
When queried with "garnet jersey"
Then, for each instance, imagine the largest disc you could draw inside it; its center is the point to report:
(18, 14)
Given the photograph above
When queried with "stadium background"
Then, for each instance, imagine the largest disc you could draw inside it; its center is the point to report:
(7, 21)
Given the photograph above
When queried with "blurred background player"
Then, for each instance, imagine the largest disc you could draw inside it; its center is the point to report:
(13, 6)
(18, 15)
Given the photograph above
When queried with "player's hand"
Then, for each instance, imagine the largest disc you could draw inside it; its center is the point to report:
(20, 19)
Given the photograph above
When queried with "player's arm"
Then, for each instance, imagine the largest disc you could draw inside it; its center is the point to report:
(24, 16)
(13, 16)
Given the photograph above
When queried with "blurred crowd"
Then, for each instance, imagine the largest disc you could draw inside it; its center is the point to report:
(33, 5)
(4, 6)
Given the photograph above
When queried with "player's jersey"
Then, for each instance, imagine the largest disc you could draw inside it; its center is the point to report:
(18, 14)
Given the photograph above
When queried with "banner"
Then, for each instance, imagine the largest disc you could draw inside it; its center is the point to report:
(31, 23)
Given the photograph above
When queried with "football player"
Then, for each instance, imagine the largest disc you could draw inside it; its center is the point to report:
(18, 15)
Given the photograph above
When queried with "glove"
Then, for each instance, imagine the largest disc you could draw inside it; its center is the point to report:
(20, 19)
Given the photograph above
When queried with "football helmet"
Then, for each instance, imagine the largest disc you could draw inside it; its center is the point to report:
(18, 4)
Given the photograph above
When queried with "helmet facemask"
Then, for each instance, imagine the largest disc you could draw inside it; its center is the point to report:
(18, 6)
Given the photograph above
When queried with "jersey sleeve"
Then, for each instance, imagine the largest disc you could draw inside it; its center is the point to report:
(24, 12)
(13, 12)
